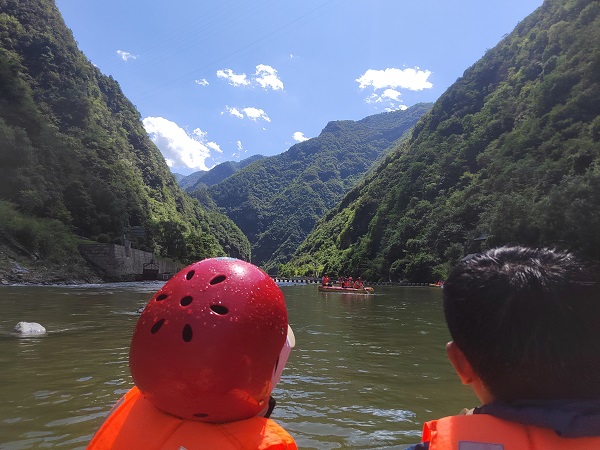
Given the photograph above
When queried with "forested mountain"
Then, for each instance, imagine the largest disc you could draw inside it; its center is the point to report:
(75, 158)
(215, 175)
(277, 200)
(509, 154)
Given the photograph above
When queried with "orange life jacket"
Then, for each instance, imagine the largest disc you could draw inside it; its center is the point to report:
(134, 423)
(485, 432)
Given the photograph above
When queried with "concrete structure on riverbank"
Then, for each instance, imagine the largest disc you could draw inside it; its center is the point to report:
(123, 263)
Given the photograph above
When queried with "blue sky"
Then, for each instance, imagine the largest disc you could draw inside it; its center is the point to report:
(221, 80)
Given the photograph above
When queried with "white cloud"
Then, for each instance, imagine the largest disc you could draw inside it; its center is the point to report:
(179, 148)
(267, 77)
(391, 94)
(299, 136)
(234, 112)
(411, 79)
(214, 146)
(202, 82)
(234, 79)
(373, 98)
(199, 133)
(256, 113)
(391, 81)
(240, 150)
(249, 112)
(126, 56)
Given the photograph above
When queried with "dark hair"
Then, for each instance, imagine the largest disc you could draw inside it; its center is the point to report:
(528, 321)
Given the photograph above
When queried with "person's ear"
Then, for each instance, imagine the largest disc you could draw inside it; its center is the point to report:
(466, 373)
(460, 363)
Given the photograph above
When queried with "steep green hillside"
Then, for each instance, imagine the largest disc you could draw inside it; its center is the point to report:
(276, 201)
(509, 154)
(73, 149)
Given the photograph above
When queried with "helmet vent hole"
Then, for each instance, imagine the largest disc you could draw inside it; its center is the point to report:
(219, 309)
(190, 274)
(200, 415)
(186, 334)
(157, 326)
(161, 297)
(186, 300)
(218, 279)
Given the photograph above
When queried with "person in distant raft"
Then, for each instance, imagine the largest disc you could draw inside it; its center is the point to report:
(358, 284)
(205, 356)
(525, 325)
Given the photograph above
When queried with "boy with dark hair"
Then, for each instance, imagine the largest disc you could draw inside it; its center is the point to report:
(525, 325)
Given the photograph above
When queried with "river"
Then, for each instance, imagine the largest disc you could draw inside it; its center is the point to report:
(366, 372)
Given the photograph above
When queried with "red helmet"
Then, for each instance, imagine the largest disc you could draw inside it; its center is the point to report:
(207, 344)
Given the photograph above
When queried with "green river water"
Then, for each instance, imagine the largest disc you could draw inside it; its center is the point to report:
(366, 372)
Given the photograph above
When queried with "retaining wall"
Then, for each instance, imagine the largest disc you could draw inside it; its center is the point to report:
(124, 262)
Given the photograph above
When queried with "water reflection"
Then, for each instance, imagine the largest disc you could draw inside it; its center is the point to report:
(366, 372)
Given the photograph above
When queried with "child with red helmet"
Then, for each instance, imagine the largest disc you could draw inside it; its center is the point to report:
(205, 356)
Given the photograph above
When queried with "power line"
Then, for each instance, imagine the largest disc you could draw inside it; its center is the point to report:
(169, 44)
(246, 49)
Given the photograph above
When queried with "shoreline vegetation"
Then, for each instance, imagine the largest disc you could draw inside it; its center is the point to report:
(39, 251)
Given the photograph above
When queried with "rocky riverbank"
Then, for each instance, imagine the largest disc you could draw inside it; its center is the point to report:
(18, 269)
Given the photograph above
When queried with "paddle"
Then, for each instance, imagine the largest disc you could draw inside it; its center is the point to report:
(364, 287)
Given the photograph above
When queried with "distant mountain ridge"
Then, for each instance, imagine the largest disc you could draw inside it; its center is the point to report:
(509, 154)
(215, 175)
(276, 201)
